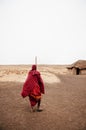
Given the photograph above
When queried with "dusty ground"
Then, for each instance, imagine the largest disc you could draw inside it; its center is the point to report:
(64, 103)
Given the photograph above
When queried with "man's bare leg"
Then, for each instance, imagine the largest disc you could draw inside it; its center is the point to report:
(38, 106)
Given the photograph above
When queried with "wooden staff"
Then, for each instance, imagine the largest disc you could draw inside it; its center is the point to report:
(36, 61)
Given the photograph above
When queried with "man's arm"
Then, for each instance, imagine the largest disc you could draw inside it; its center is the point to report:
(41, 84)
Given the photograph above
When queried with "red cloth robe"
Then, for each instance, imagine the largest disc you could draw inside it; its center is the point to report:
(29, 84)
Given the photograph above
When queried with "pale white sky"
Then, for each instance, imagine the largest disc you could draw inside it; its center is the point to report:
(52, 30)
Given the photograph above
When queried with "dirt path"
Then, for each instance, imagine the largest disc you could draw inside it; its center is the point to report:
(64, 106)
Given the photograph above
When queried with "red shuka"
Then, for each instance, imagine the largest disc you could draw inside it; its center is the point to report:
(33, 79)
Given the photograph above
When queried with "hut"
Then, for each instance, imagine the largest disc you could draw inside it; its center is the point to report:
(78, 68)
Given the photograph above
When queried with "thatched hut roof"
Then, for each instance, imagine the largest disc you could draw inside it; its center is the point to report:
(81, 64)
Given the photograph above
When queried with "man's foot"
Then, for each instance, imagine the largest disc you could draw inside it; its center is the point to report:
(33, 109)
(39, 110)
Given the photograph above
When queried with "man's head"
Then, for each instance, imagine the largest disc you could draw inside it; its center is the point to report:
(34, 67)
